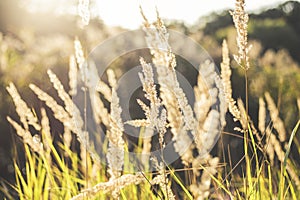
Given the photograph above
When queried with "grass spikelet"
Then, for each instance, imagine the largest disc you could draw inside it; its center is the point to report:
(58, 110)
(79, 55)
(111, 78)
(162, 180)
(25, 114)
(240, 19)
(179, 113)
(46, 133)
(110, 186)
(115, 155)
(72, 75)
(225, 77)
(201, 189)
(34, 142)
(104, 89)
(262, 115)
(274, 114)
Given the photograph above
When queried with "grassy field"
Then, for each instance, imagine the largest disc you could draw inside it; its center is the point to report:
(70, 168)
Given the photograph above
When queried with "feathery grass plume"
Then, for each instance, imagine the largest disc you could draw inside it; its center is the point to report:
(67, 137)
(201, 190)
(205, 139)
(162, 180)
(110, 186)
(80, 59)
(244, 116)
(95, 85)
(79, 55)
(70, 107)
(155, 120)
(179, 113)
(152, 111)
(46, 134)
(115, 154)
(33, 142)
(209, 88)
(273, 145)
(68, 116)
(281, 154)
(262, 115)
(240, 19)
(223, 103)
(104, 89)
(165, 187)
(225, 76)
(72, 75)
(269, 145)
(83, 11)
(100, 112)
(265, 131)
(59, 112)
(26, 115)
(112, 81)
(245, 120)
(274, 114)
(202, 100)
(148, 132)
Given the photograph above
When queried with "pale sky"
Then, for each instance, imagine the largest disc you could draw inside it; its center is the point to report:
(126, 13)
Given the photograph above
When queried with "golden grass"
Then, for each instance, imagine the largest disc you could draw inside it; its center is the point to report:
(58, 172)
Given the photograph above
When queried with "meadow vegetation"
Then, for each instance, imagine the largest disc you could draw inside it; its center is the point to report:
(65, 165)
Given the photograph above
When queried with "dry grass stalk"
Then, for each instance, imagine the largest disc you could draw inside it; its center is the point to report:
(262, 115)
(179, 112)
(71, 109)
(240, 19)
(72, 75)
(281, 154)
(110, 186)
(69, 115)
(112, 81)
(46, 133)
(155, 120)
(165, 63)
(100, 112)
(209, 120)
(34, 142)
(59, 112)
(245, 120)
(115, 154)
(27, 117)
(226, 75)
(274, 114)
(201, 190)
(152, 111)
(79, 55)
(269, 147)
(104, 89)
(161, 179)
(67, 136)
(222, 99)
